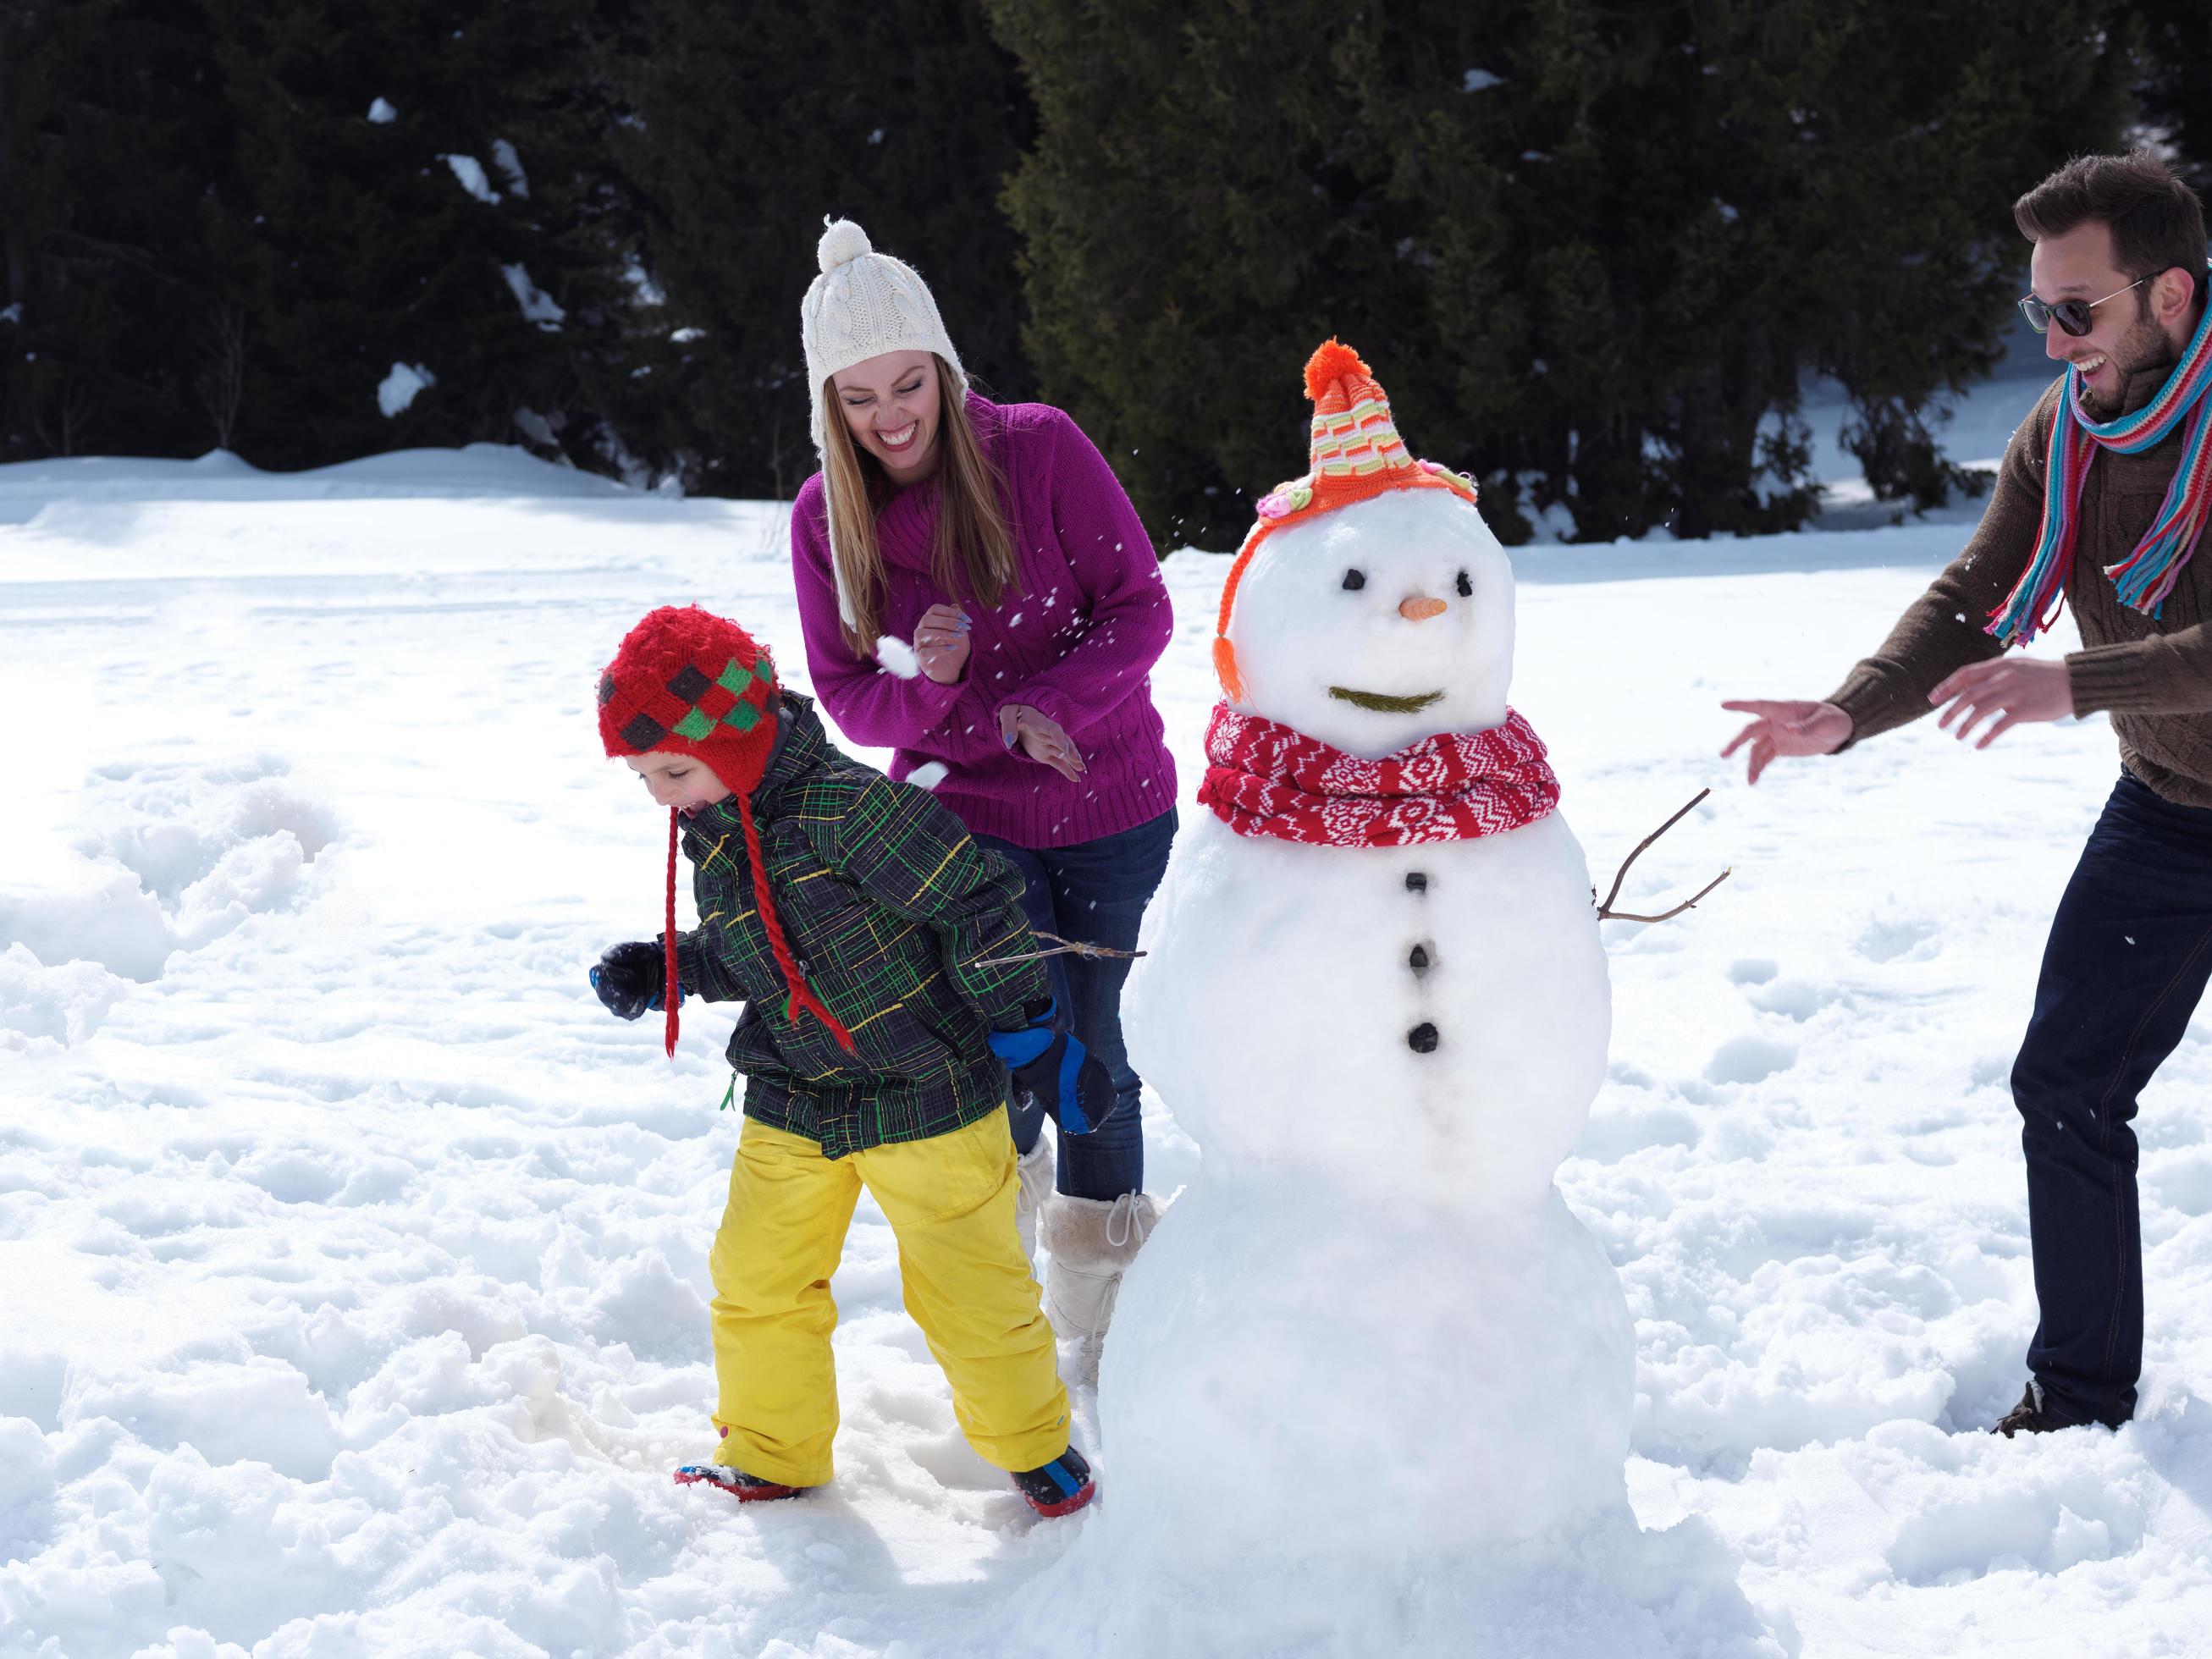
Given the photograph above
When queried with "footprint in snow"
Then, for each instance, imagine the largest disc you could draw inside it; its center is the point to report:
(1749, 1058)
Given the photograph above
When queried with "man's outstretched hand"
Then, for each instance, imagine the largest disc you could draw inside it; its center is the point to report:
(1788, 728)
(2016, 689)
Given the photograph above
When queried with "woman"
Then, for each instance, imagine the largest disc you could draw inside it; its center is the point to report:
(979, 597)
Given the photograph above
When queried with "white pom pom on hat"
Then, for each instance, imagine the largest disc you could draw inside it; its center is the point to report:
(841, 243)
(863, 305)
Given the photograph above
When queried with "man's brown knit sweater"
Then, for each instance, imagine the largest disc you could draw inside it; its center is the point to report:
(2153, 675)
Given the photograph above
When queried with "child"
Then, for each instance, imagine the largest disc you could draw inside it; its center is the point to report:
(888, 980)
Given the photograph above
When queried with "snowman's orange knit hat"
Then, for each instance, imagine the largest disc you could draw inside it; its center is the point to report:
(1357, 454)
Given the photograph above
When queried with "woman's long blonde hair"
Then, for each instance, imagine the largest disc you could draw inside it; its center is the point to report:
(972, 539)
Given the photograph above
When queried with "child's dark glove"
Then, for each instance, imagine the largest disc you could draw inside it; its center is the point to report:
(1067, 1080)
(630, 978)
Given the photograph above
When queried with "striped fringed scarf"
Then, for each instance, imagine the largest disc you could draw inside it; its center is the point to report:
(2147, 575)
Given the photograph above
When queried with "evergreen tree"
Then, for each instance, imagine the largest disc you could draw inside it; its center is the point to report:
(107, 138)
(1593, 251)
(1207, 199)
(407, 201)
(745, 126)
(2176, 90)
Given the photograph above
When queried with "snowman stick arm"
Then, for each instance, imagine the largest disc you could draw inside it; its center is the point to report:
(1606, 912)
(1062, 947)
(1622, 876)
(1689, 903)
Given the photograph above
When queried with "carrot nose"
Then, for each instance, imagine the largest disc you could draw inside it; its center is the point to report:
(1419, 608)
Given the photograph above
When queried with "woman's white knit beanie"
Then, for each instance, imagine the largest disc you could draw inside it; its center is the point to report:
(863, 305)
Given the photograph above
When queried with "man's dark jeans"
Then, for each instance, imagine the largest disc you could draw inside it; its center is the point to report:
(1094, 892)
(2129, 952)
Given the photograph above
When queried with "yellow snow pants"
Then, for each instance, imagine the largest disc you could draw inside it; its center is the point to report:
(950, 1200)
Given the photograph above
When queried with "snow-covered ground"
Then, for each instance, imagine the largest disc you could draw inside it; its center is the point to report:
(355, 1261)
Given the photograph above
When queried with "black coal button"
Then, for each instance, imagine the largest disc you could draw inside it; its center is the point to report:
(1422, 1039)
(1416, 882)
(1418, 962)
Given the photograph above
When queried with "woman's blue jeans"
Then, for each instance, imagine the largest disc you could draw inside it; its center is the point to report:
(1094, 892)
(2129, 952)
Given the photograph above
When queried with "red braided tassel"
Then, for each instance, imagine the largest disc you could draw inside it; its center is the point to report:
(672, 991)
(801, 997)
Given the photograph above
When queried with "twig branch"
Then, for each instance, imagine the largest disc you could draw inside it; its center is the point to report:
(1062, 947)
(1689, 903)
(1606, 912)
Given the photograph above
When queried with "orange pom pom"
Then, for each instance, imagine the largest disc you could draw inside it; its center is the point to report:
(1331, 363)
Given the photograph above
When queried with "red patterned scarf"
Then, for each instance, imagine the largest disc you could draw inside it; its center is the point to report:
(1265, 779)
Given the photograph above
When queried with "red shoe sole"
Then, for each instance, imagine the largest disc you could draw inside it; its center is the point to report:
(753, 1494)
(1067, 1506)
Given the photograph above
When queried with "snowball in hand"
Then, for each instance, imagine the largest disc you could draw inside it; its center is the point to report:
(897, 657)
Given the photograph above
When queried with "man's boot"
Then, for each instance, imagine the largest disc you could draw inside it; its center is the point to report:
(2037, 1413)
(1091, 1243)
(1034, 1171)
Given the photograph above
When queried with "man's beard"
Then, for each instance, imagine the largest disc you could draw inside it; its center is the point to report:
(2143, 346)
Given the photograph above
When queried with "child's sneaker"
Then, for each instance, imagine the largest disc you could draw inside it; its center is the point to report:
(745, 1488)
(1060, 1487)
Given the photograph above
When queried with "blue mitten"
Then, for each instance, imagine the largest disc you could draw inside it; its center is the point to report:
(630, 978)
(1067, 1080)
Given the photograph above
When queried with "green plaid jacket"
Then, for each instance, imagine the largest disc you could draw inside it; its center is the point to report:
(888, 904)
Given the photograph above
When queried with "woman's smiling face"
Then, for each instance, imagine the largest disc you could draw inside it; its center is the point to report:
(891, 406)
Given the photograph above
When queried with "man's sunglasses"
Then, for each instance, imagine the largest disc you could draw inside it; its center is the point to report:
(2071, 315)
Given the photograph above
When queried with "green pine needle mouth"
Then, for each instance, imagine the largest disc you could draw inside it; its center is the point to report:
(1382, 705)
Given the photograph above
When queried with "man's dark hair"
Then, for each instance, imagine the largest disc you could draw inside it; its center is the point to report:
(2156, 221)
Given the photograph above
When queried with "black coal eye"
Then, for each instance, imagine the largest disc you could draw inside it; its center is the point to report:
(1465, 586)
(1354, 580)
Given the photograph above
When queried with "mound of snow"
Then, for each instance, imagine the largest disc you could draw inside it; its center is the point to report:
(28, 488)
(64, 1005)
(175, 855)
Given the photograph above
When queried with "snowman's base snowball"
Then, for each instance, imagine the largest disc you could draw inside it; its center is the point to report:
(1329, 1432)
(1468, 1376)
(1615, 1593)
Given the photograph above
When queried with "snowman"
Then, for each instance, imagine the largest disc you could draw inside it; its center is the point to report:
(1385, 842)
(1370, 1378)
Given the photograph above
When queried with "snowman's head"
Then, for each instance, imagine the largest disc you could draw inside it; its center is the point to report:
(1369, 606)
(1378, 624)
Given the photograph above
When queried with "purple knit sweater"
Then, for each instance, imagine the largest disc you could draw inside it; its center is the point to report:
(1075, 639)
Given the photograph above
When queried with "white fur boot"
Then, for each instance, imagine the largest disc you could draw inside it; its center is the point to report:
(1034, 1170)
(1091, 1243)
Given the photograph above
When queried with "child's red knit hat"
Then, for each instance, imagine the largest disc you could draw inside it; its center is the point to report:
(688, 681)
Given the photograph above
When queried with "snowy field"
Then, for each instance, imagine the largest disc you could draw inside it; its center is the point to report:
(355, 1261)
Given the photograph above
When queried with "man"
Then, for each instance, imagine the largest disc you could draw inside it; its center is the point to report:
(2100, 500)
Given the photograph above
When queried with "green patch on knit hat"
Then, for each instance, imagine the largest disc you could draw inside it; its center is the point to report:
(694, 726)
(734, 678)
(744, 717)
